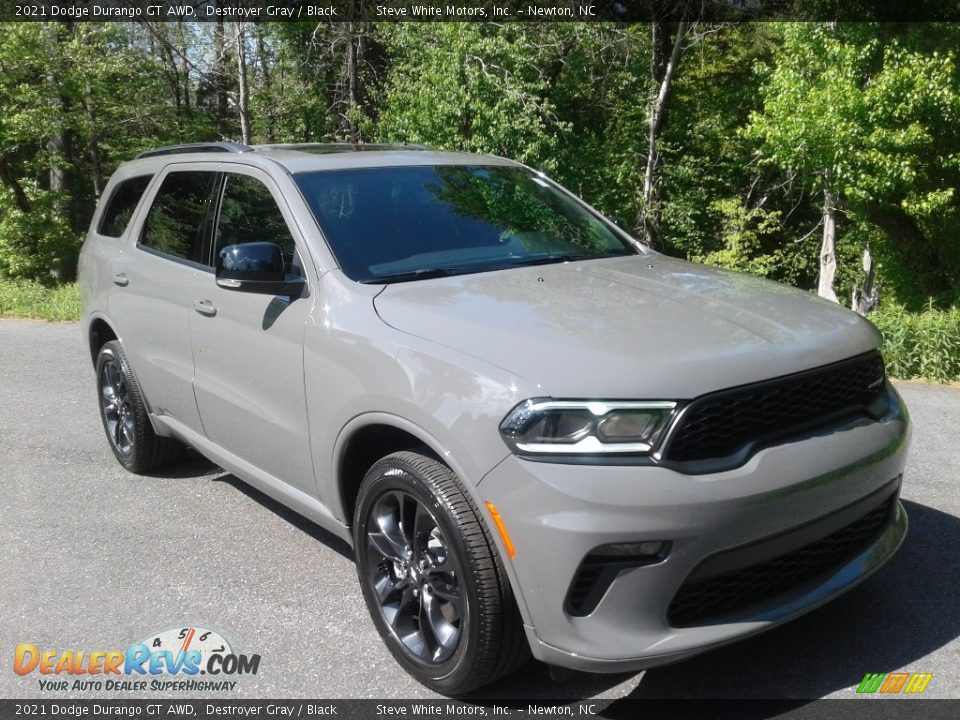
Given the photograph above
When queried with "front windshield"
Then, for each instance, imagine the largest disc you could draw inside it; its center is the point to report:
(393, 224)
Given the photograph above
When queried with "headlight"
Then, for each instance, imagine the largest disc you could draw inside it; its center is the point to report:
(545, 426)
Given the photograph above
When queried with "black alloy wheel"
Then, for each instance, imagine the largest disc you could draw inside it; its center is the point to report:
(117, 407)
(416, 579)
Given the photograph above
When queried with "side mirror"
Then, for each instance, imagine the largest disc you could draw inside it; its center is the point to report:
(256, 267)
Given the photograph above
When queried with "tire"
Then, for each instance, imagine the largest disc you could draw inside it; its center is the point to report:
(124, 415)
(432, 577)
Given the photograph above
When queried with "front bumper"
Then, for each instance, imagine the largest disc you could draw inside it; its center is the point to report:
(557, 514)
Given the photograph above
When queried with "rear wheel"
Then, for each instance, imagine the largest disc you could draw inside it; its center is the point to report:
(124, 414)
(432, 578)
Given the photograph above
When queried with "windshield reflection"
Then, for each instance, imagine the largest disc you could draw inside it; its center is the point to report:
(395, 224)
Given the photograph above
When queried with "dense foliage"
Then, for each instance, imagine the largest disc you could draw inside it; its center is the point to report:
(761, 122)
(923, 345)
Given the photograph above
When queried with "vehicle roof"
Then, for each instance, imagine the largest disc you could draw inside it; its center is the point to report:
(316, 156)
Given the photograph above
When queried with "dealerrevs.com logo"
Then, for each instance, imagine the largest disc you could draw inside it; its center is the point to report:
(191, 658)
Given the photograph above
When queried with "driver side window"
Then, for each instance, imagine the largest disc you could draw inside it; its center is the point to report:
(248, 213)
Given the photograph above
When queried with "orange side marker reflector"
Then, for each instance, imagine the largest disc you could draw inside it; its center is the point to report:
(502, 529)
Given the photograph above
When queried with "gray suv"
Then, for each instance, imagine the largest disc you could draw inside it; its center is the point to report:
(539, 436)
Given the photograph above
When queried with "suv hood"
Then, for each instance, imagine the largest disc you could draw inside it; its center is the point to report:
(641, 327)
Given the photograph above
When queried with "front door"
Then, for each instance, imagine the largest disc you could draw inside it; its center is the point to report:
(248, 348)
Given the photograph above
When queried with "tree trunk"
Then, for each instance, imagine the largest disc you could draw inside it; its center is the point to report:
(10, 180)
(896, 224)
(174, 76)
(867, 298)
(161, 32)
(352, 70)
(57, 145)
(243, 95)
(60, 145)
(220, 75)
(184, 65)
(351, 80)
(266, 79)
(57, 142)
(828, 249)
(663, 75)
(96, 165)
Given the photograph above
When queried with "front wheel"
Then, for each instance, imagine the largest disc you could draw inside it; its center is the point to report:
(432, 578)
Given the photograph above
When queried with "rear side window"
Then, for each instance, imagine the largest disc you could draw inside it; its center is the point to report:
(177, 219)
(122, 203)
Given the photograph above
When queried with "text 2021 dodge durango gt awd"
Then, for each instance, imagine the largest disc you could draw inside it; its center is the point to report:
(539, 436)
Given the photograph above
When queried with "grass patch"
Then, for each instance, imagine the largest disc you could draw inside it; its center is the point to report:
(28, 299)
(921, 346)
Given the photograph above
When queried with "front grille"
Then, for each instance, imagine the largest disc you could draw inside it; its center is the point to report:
(703, 601)
(725, 423)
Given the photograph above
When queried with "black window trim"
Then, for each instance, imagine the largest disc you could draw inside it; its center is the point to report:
(212, 221)
(212, 217)
(173, 258)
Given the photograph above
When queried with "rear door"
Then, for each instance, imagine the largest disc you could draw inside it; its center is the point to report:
(248, 348)
(155, 281)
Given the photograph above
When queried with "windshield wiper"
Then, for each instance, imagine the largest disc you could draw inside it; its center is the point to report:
(421, 274)
(547, 259)
(427, 273)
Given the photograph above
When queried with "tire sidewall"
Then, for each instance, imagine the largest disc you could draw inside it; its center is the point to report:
(395, 474)
(112, 352)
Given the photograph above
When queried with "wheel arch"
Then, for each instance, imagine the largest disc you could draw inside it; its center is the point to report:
(368, 438)
(99, 333)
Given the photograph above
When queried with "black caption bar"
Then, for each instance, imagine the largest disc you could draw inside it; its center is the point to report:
(442, 709)
(627, 11)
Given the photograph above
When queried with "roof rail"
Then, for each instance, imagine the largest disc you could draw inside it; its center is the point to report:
(343, 147)
(201, 147)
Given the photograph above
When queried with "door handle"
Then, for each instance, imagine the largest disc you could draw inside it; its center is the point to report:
(121, 279)
(205, 307)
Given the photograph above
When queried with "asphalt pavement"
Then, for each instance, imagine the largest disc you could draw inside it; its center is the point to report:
(94, 558)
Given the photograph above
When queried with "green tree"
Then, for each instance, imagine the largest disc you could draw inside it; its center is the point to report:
(472, 87)
(77, 100)
(865, 118)
(35, 236)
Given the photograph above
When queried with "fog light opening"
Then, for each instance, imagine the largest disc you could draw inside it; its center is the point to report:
(601, 567)
(627, 551)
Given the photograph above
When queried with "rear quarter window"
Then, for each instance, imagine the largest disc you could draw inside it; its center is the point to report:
(123, 201)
